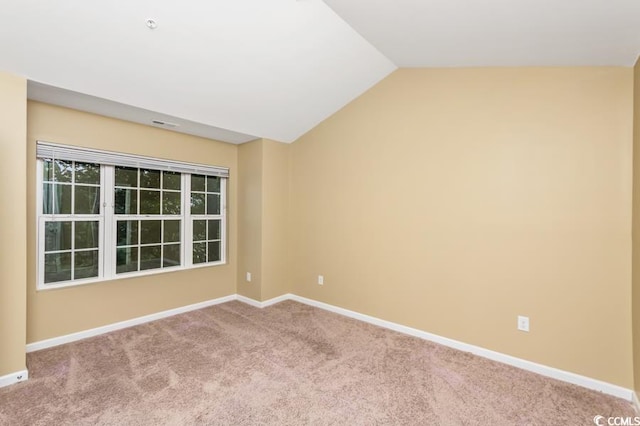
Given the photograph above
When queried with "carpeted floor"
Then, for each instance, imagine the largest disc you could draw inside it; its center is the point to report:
(289, 364)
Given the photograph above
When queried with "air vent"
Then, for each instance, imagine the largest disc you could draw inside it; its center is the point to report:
(165, 123)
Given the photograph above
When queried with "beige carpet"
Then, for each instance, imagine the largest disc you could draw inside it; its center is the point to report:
(289, 364)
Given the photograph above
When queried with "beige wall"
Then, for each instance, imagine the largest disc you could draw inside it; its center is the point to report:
(263, 219)
(636, 226)
(275, 219)
(453, 200)
(58, 312)
(250, 219)
(450, 200)
(13, 225)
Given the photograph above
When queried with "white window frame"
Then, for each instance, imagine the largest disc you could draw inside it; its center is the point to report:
(43, 218)
(206, 217)
(108, 220)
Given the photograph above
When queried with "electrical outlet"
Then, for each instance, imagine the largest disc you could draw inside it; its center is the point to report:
(320, 280)
(523, 323)
(248, 277)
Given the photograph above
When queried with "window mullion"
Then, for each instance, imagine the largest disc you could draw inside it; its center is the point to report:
(108, 235)
(187, 231)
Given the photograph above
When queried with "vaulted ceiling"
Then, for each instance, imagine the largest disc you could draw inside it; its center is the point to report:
(235, 70)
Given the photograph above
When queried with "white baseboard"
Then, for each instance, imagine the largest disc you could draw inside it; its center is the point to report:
(249, 301)
(276, 300)
(554, 373)
(55, 341)
(10, 379)
(544, 370)
(264, 304)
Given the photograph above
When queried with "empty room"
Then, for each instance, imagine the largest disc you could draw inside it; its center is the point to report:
(291, 212)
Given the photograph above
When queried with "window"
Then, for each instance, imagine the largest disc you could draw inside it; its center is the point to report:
(148, 206)
(122, 215)
(207, 220)
(70, 243)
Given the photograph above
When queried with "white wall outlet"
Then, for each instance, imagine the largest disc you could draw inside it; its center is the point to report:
(320, 279)
(248, 277)
(523, 323)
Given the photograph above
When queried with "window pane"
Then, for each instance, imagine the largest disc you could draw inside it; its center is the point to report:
(87, 173)
(171, 180)
(62, 171)
(126, 259)
(56, 199)
(127, 232)
(150, 231)
(126, 176)
(149, 202)
(47, 198)
(214, 251)
(47, 170)
(170, 202)
(126, 201)
(199, 252)
(150, 257)
(86, 235)
(213, 204)
(197, 203)
(149, 178)
(199, 230)
(171, 255)
(57, 236)
(57, 267)
(171, 231)
(197, 183)
(87, 200)
(214, 230)
(85, 264)
(213, 184)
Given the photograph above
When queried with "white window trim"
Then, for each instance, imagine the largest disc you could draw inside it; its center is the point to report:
(107, 221)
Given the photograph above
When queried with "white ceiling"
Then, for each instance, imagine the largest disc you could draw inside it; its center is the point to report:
(468, 33)
(235, 70)
(267, 68)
